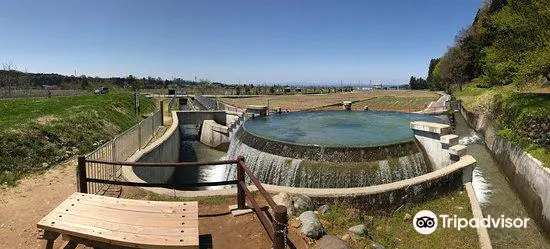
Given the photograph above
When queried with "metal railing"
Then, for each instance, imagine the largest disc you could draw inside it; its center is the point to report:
(275, 224)
(122, 147)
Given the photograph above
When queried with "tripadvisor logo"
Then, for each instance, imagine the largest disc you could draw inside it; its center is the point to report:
(426, 222)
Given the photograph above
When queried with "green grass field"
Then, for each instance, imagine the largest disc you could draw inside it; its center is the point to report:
(36, 133)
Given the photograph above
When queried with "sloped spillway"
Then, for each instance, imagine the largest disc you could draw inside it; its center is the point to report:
(330, 149)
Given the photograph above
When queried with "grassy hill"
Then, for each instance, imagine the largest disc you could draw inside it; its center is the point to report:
(40, 132)
(522, 117)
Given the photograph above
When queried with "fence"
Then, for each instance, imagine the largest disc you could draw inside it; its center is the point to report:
(37, 93)
(274, 224)
(123, 147)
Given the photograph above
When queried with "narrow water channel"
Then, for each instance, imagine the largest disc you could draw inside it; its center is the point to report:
(497, 196)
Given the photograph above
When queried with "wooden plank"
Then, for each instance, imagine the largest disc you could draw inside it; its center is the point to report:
(107, 223)
(131, 207)
(83, 208)
(128, 201)
(130, 219)
(125, 239)
(186, 230)
(49, 239)
(146, 206)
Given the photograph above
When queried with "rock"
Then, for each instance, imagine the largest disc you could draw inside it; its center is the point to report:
(323, 209)
(285, 200)
(407, 216)
(311, 226)
(375, 245)
(332, 242)
(294, 223)
(346, 237)
(359, 229)
(302, 202)
(45, 165)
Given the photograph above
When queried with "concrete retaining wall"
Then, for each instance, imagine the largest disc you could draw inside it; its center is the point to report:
(198, 117)
(164, 149)
(214, 134)
(530, 179)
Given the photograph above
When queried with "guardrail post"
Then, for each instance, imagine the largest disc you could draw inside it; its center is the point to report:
(81, 175)
(280, 227)
(240, 178)
(162, 113)
(139, 135)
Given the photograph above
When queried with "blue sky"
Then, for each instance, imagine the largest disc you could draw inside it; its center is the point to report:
(233, 41)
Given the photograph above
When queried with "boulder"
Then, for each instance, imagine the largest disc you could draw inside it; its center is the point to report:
(323, 209)
(286, 200)
(359, 229)
(332, 242)
(302, 202)
(311, 226)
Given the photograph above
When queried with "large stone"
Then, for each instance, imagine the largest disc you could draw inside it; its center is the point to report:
(286, 200)
(323, 209)
(359, 229)
(332, 242)
(302, 202)
(311, 226)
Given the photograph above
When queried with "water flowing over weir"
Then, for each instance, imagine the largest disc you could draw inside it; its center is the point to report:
(497, 196)
(285, 171)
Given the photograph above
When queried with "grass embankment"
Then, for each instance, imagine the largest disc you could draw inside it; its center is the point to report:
(376, 100)
(39, 132)
(521, 117)
(393, 230)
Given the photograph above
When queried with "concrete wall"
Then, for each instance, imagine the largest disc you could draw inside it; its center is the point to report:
(214, 134)
(429, 136)
(198, 117)
(164, 149)
(231, 117)
(530, 179)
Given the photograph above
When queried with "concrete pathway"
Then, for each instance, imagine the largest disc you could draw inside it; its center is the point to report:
(439, 106)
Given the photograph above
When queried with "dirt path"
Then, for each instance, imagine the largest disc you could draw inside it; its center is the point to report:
(21, 207)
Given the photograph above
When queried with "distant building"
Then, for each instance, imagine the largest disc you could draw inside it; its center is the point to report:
(378, 87)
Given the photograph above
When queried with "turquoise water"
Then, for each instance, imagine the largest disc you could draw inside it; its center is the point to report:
(337, 128)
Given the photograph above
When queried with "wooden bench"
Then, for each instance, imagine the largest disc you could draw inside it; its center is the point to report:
(106, 222)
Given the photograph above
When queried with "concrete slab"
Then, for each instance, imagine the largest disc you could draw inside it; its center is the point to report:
(438, 128)
(458, 150)
(235, 211)
(450, 140)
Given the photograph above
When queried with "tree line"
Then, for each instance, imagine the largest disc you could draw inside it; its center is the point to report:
(508, 42)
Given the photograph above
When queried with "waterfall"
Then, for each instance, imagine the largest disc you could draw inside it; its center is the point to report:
(482, 188)
(279, 170)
